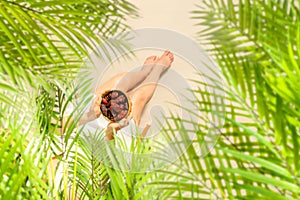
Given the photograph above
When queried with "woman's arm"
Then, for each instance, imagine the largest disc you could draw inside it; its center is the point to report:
(87, 117)
(112, 128)
(91, 115)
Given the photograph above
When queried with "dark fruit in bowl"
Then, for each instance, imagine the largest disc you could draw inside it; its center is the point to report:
(115, 105)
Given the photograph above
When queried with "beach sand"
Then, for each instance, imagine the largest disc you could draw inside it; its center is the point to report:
(175, 16)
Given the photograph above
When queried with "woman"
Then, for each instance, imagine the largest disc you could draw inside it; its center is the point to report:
(139, 87)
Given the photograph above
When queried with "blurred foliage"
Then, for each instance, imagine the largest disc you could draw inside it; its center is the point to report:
(257, 46)
(43, 45)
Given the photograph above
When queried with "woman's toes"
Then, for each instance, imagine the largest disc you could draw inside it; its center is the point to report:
(155, 58)
(172, 57)
(150, 60)
(166, 53)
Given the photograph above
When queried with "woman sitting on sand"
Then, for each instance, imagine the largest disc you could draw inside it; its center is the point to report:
(138, 86)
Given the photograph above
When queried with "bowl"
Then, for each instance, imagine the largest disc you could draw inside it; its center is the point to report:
(115, 105)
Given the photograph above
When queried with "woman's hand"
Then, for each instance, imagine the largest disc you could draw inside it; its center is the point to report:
(94, 111)
(114, 127)
(123, 122)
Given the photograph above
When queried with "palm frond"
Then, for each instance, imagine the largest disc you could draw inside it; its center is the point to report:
(255, 155)
(23, 154)
(43, 46)
(42, 40)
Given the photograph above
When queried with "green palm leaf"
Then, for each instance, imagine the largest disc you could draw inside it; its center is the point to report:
(43, 46)
(255, 157)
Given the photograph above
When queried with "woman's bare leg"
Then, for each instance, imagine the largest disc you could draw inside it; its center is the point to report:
(110, 84)
(141, 95)
(127, 80)
(132, 79)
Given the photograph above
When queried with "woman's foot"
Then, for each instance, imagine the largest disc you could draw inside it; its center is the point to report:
(151, 60)
(165, 61)
(149, 63)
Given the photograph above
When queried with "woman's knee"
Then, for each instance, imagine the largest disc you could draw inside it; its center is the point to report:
(142, 97)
